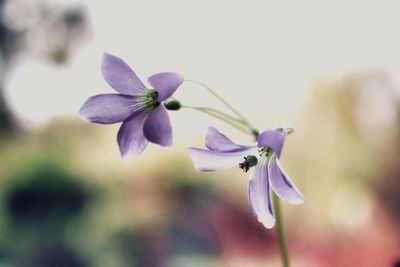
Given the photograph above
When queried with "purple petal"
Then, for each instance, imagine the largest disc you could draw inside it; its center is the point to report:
(120, 76)
(281, 183)
(205, 160)
(217, 141)
(108, 108)
(130, 136)
(165, 83)
(157, 128)
(273, 139)
(260, 196)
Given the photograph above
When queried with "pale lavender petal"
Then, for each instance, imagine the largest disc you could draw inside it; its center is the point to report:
(260, 195)
(165, 83)
(108, 108)
(205, 160)
(130, 136)
(120, 76)
(281, 183)
(273, 139)
(217, 141)
(157, 128)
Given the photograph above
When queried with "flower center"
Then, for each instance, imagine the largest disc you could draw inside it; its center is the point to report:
(266, 151)
(153, 94)
(149, 101)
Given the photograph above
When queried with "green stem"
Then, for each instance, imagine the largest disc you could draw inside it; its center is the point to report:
(221, 117)
(281, 231)
(220, 99)
(213, 110)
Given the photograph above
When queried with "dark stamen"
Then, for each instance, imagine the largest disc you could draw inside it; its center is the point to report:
(155, 95)
(244, 165)
(265, 150)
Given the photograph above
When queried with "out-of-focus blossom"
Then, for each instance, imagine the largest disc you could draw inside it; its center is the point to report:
(267, 175)
(137, 106)
(47, 29)
(44, 29)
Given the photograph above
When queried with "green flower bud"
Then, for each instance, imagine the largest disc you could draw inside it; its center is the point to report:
(172, 104)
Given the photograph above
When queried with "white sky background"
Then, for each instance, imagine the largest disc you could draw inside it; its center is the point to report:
(261, 55)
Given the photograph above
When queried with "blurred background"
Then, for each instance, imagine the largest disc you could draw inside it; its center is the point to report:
(330, 70)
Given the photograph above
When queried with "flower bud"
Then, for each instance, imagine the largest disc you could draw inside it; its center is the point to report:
(172, 104)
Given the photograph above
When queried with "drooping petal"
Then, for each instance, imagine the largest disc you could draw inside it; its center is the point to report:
(108, 108)
(273, 139)
(205, 160)
(120, 76)
(157, 128)
(130, 137)
(165, 83)
(260, 195)
(282, 184)
(217, 141)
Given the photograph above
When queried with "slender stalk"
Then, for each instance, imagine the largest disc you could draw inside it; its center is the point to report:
(213, 110)
(220, 117)
(281, 231)
(220, 99)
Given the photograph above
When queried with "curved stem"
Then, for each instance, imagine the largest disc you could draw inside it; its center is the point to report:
(221, 113)
(221, 117)
(220, 99)
(281, 231)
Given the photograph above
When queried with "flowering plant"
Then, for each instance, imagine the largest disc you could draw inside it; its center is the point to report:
(143, 113)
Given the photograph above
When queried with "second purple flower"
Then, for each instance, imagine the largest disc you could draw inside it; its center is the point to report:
(263, 157)
(144, 118)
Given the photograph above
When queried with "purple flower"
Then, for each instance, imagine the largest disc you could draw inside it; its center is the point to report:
(266, 175)
(136, 106)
